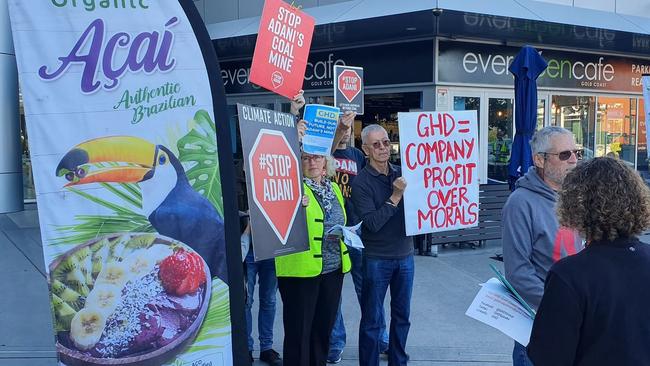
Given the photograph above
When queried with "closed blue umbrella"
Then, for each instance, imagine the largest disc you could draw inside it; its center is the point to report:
(526, 67)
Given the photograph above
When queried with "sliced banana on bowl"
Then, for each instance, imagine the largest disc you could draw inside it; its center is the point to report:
(142, 262)
(105, 298)
(115, 273)
(87, 327)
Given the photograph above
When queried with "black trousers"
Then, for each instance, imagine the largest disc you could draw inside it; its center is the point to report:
(309, 311)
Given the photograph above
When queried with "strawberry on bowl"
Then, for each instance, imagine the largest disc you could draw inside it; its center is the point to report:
(182, 273)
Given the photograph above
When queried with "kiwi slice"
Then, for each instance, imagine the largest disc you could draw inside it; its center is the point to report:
(83, 259)
(100, 254)
(68, 295)
(69, 272)
(141, 241)
(63, 314)
(117, 249)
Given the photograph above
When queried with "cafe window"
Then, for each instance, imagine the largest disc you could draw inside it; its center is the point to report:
(541, 111)
(29, 191)
(500, 136)
(616, 128)
(642, 150)
(576, 114)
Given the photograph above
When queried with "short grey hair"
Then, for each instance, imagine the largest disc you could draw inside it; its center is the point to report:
(370, 129)
(541, 141)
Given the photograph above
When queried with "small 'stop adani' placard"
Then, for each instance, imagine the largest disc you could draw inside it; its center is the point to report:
(282, 48)
(348, 88)
(439, 162)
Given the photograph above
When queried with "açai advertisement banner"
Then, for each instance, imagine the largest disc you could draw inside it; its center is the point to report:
(439, 152)
(121, 121)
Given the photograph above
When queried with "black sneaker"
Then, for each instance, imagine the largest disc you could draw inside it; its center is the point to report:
(271, 357)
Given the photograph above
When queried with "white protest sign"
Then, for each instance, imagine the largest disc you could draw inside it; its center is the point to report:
(439, 153)
(496, 307)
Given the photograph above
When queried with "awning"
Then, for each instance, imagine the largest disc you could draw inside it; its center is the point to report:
(518, 9)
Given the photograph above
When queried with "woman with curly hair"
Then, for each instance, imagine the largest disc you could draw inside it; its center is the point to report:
(595, 305)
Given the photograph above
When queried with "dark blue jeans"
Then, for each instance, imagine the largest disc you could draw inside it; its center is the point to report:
(520, 356)
(268, 285)
(338, 337)
(378, 276)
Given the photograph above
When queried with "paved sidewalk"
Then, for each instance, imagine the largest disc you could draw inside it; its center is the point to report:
(440, 332)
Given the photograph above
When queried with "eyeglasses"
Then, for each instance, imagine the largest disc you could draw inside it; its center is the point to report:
(566, 155)
(378, 144)
(312, 158)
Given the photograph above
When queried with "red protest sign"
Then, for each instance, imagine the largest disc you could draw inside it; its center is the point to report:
(282, 48)
(275, 180)
(440, 164)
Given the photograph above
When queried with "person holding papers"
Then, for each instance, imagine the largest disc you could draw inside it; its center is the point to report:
(595, 305)
(311, 282)
(532, 238)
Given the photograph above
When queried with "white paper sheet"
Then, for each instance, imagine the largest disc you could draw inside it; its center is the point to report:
(349, 233)
(496, 307)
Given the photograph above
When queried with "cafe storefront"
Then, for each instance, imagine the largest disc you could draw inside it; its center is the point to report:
(596, 96)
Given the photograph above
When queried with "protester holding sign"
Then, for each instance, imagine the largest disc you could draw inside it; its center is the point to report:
(595, 303)
(388, 255)
(311, 282)
(532, 238)
(349, 162)
(262, 273)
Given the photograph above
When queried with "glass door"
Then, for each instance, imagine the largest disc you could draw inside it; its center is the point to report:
(467, 100)
(501, 132)
(577, 114)
(616, 128)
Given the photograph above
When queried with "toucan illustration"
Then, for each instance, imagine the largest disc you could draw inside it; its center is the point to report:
(170, 203)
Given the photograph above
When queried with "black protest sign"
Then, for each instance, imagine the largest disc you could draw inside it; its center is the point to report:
(348, 88)
(272, 164)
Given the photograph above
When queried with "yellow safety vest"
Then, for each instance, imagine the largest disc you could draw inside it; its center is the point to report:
(310, 263)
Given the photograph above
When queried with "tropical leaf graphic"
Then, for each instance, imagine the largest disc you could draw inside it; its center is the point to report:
(122, 219)
(199, 148)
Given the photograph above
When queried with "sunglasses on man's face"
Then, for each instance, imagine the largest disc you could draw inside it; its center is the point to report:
(378, 144)
(566, 155)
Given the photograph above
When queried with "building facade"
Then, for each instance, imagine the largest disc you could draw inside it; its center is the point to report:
(457, 57)
(454, 58)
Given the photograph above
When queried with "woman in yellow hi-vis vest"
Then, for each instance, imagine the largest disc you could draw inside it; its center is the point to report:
(310, 282)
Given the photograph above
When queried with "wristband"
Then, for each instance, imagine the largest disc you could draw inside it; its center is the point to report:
(391, 203)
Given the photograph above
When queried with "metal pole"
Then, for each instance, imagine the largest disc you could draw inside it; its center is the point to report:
(11, 176)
